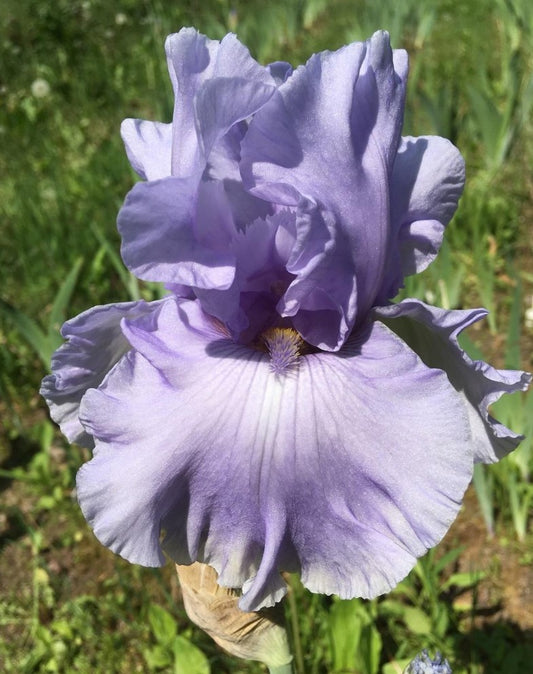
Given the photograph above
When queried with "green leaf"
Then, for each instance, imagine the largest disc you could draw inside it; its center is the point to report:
(513, 357)
(370, 649)
(391, 607)
(129, 281)
(449, 558)
(28, 330)
(157, 657)
(44, 343)
(163, 624)
(464, 580)
(484, 484)
(416, 620)
(188, 659)
(468, 345)
(46, 503)
(63, 628)
(345, 628)
(396, 667)
(441, 621)
(62, 299)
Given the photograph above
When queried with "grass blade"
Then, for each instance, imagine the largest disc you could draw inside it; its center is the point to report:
(28, 330)
(62, 299)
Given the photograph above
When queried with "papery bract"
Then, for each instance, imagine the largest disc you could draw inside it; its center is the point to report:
(276, 412)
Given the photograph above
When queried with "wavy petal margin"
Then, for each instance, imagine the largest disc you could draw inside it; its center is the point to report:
(95, 343)
(432, 333)
(329, 136)
(346, 467)
(215, 85)
(427, 180)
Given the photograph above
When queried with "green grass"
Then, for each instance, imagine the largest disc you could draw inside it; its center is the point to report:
(66, 604)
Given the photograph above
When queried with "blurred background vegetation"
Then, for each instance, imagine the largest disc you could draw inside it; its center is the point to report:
(71, 70)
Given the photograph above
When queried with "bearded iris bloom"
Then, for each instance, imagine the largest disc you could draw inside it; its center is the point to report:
(275, 411)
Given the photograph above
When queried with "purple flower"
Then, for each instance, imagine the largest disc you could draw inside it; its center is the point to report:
(423, 664)
(276, 412)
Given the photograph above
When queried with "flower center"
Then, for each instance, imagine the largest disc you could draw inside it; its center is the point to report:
(284, 346)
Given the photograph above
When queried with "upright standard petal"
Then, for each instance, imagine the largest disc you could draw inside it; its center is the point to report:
(343, 466)
(223, 102)
(329, 136)
(261, 251)
(95, 343)
(322, 298)
(288, 268)
(427, 181)
(432, 333)
(204, 110)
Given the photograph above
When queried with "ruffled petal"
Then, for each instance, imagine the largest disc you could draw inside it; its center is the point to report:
(329, 135)
(148, 146)
(203, 111)
(322, 299)
(288, 265)
(345, 466)
(168, 236)
(432, 333)
(224, 158)
(94, 344)
(427, 181)
(261, 252)
(223, 102)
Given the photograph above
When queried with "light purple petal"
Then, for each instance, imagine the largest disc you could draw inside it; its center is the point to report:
(245, 207)
(345, 467)
(224, 158)
(148, 146)
(223, 102)
(287, 266)
(166, 238)
(94, 344)
(261, 252)
(194, 61)
(432, 333)
(213, 224)
(223, 166)
(329, 136)
(427, 181)
(322, 299)
(280, 71)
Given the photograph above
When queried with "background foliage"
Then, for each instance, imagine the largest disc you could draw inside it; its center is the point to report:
(71, 71)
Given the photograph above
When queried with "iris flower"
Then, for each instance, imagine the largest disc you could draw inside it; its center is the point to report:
(276, 411)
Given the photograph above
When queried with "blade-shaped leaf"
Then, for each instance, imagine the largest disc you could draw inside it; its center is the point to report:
(28, 330)
(58, 312)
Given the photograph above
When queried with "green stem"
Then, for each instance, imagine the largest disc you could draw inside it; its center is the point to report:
(282, 669)
(298, 655)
